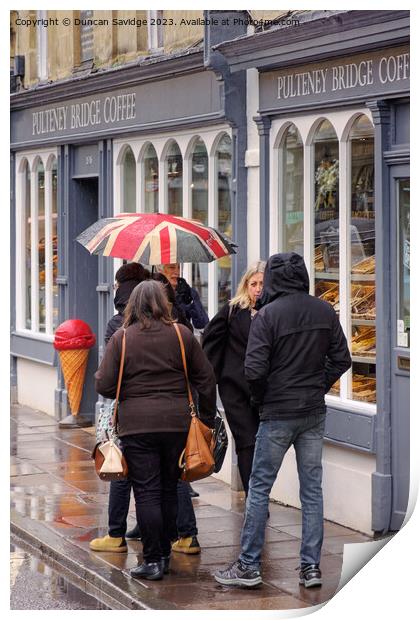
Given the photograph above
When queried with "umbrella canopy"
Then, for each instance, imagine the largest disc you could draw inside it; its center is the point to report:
(155, 239)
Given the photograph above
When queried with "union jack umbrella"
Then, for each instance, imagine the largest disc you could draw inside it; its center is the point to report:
(155, 239)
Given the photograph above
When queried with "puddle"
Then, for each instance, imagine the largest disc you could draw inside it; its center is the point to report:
(35, 585)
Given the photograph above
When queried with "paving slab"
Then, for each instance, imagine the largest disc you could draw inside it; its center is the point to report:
(58, 505)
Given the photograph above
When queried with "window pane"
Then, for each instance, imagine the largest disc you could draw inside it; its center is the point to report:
(362, 257)
(404, 262)
(174, 179)
(224, 210)
(199, 201)
(41, 245)
(27, 242)
(54, 246)
(292, 195)
(129, 180)
(151, 180)
(326, 224)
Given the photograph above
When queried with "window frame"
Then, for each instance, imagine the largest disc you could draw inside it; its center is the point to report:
(47, 158)
(185, 140)
(307, 125)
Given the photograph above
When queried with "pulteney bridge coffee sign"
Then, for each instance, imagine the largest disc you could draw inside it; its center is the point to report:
(378, 73)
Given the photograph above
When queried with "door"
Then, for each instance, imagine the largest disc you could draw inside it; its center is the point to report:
(400, 334)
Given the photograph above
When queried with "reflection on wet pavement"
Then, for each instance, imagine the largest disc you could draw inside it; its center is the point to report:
(35, 585)
(54, 484)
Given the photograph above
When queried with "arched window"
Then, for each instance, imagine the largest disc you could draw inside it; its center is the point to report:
(173, 167)
(362, 243)
(151, 180)
(27, 242)
(199, 162)
(129, 182)
(224, 214)
(40, 187)
(292, 192)
(326, 218)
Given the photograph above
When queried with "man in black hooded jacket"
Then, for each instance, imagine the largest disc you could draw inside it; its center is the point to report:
(296, 351)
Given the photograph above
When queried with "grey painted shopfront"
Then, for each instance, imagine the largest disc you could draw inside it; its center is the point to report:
(318, 85)
(90, 147)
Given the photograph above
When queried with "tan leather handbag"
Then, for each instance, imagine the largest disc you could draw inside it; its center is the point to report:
(110, 463)
(196, 460)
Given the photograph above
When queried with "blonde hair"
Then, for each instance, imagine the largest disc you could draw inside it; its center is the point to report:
(242, 298)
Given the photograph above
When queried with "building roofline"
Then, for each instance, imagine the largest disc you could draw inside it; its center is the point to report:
(321, 34)
(140, 70)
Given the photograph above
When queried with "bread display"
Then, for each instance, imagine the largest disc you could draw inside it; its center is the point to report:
(363, 342)
(364, 388)
(367, 265)
(363, 304)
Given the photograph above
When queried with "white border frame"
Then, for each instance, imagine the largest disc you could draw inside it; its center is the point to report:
(47, 157)
(186, 141)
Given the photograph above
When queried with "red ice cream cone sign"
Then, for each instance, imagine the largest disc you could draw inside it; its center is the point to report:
(72, 340)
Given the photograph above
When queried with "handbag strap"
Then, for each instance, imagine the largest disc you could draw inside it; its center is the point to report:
(184, 362)
(120, 374)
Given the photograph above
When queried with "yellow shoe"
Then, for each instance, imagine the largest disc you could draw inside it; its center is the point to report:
(187, 545)
(108, 543)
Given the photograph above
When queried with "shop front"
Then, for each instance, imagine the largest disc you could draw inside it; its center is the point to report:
(335, 187)
(147, 138)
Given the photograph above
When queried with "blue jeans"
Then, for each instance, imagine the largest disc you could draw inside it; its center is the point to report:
(274, 438)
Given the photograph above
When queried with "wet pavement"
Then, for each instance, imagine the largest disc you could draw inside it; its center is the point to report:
(58, 505)
(34, 584)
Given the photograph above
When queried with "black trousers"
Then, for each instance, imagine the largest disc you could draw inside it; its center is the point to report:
(152, 460)
(245, 458)
(119, 504)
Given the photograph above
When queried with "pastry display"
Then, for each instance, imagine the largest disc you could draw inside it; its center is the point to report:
(319, 259)
(365, 266)
(364, 388)
(363, 342)
(363, 304)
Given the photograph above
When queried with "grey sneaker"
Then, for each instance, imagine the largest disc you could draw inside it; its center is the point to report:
(239, 575)
(310, 576)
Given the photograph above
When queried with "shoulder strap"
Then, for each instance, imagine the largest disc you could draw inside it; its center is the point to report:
(184, 362)
(120, 374)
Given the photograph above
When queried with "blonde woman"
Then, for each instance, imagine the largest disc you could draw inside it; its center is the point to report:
(224, 342)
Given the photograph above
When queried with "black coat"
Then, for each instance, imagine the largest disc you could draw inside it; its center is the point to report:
(224, 342)
(296, 348)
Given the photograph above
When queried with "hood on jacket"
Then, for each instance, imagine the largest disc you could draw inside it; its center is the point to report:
(284, 274)
(123, 293)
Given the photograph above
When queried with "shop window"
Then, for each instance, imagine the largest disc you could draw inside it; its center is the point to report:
(404, 263)
(224, 215)
(54, 224)
(326, 219)
(26, 243)
(40, 185)
(37, 242)
(292, 191)
(361, 240)
(151, 180)
(129, 182)
(199, 162)
(173, 167)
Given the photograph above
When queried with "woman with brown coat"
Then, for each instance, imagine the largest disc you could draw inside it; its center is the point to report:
(154, 413)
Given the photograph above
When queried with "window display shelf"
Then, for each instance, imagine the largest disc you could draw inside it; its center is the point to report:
(363, 360)
(363, 277)
(367, 322)
(327, 275)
